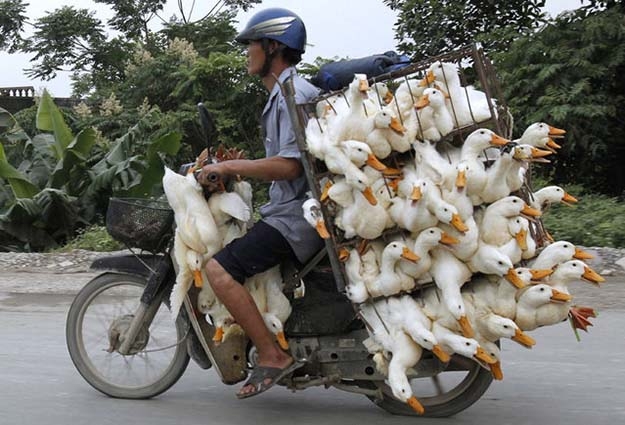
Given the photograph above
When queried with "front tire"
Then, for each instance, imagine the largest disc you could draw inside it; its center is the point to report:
(105, 305)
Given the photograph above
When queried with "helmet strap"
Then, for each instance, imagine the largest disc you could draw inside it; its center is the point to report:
(269, 55)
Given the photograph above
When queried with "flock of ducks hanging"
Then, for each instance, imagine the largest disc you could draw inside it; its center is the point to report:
(404, 209)
(205, 226)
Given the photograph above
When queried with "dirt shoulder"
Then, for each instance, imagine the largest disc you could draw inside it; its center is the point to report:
(66, 273)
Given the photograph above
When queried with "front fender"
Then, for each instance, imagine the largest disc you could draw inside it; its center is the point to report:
(128, 263)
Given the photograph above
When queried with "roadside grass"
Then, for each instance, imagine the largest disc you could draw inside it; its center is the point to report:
(596, 220)
(92, 238)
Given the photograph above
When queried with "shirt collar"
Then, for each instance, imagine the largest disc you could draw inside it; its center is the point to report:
(286, 73)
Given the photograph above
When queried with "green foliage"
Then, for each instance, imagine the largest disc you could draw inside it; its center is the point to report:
(427, 28)
(65, 37)
(57, 187)
(12, 19)
(568, 74)
(596, 220)
(132, 16)
(92, 238)
(213, 34)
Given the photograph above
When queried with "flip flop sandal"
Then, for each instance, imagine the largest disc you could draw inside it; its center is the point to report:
(261, 373)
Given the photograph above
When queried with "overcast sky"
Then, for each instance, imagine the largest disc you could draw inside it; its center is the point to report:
(335, 28)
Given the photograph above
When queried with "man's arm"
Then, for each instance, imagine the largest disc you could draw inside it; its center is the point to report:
(268, 169)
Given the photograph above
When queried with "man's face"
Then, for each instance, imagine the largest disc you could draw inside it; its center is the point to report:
(255, 58)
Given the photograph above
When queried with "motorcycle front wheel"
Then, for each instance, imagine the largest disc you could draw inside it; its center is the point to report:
(99, 315)
(441, 395)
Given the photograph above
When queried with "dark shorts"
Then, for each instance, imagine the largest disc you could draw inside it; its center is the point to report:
(261, 248)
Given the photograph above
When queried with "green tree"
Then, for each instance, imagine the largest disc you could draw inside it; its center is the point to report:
(12, 20)
(426, 28)
(569, 74)
(70, 39)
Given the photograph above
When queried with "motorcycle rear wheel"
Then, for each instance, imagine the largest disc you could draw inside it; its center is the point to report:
(105, 304)
(444, 394)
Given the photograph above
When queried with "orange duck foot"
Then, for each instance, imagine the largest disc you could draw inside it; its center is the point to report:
(579, 317)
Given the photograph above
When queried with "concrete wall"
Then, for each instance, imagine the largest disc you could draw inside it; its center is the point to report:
(14, 99)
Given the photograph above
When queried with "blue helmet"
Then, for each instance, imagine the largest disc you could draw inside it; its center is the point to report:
(277, 24)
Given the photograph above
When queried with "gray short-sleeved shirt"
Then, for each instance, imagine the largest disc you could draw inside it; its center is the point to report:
(284, 209)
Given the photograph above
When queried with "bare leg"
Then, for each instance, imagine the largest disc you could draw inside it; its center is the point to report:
(241, 306)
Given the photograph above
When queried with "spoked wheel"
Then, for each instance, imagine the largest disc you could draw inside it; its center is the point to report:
(442, 395)
(97, 320)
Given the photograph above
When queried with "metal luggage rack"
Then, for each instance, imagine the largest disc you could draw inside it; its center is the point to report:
(474, 68)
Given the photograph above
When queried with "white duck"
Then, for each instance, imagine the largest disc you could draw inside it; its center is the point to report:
(530, 299)
(278, 305)
(355, 124)
(361, 218)
(189, 263)
(494, 225)
(543, 198)
(428, 209)
(524, 154)
(409, 210)
(449, 275)
(468, 240)
(518, 227)
(379, 96)
(246, 192)
(430, 164)
(425, 242)
(466, 105)
(387, 132)
(488, 259)
(216, 313)
(457, 194)
(493, 327)
(231, 214)
(497, 186)
(390, 281)
(343, 189)
(407, 94)
(565, 273)
(198, 229)
(558, 252)
(495, 353)
(476, 176)
(406, 314)
(405, 352)
(453, 343)
(356, 289)
(434, 119)
(331, 107)
(498, 294)
(541, 135)
(313, 215)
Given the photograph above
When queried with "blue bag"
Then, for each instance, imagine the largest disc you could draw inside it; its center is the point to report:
(336, 75)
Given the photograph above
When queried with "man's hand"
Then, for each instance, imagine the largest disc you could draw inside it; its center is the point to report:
(209, 172)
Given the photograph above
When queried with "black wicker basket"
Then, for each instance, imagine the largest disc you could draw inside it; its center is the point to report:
(140, 223)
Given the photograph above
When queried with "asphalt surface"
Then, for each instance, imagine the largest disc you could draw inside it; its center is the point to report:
(559, 381)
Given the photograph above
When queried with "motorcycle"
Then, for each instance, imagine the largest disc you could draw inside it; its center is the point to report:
(124, 343)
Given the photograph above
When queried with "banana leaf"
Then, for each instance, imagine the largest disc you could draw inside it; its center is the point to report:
(20, 185)
(75, 155)
(153, 175)
(6, 119)
(42, 221)
(50, 118)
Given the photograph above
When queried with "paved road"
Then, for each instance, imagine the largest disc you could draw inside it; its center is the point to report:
(559, 381)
